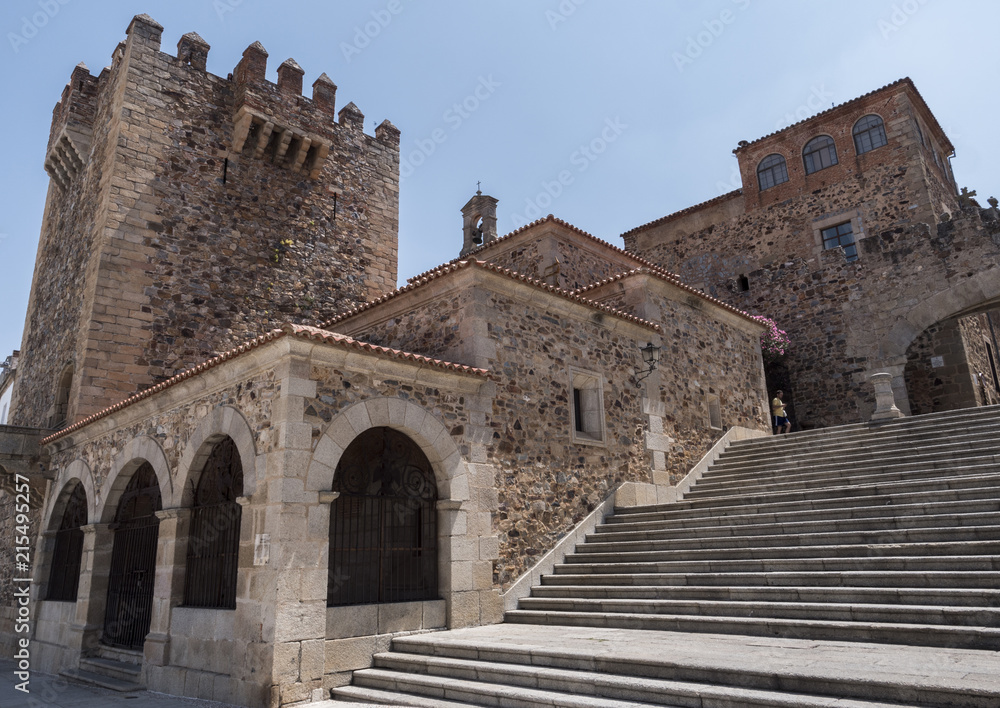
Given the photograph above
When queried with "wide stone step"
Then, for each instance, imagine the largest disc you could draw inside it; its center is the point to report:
(769, 565)
(359, 694)
(826, 630)
(950, 597)
(841, 612)
(637, 690)
(964, 490)
(932, 424)
(907, 675)
(966, 579)
(955, 439)
(881, 535)
(478, 693)
(839, 476)
(838, 492)
(872, 551)
(655, 531)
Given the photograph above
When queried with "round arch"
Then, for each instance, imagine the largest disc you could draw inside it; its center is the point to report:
(77, 471)
(977, 292)
(423, 428)
(137, 451)
(220, 422)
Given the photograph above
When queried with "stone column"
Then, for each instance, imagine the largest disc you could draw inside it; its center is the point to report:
(92, 595)
(885, 405)
(168, 587)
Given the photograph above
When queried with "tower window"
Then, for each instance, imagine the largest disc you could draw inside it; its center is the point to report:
(819, 153)
(869, 133)
(743, 283)
(841, 236)
(771, 171)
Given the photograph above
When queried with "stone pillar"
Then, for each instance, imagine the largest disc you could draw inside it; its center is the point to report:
(168, 587)
(92, 595)
(885, 406)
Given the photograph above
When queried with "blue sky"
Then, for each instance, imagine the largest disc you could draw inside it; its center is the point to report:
(640, 101)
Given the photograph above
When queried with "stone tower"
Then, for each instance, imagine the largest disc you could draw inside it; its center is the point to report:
(189, 212)
(479, 222)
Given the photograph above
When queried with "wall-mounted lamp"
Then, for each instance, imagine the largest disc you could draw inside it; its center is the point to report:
(650, 357)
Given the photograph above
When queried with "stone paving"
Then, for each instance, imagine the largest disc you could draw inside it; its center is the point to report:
(48, 691)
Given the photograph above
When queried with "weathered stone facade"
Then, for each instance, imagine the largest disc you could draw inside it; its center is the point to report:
(514, 378)
(922, 255)
(190, 212)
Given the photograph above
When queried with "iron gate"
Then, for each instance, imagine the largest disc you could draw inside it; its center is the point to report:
(64, 576)
(214, 541)
(133, 562)
(383, 526)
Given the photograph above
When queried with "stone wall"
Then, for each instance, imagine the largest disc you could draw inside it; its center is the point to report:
(201, 241)
(539, 346)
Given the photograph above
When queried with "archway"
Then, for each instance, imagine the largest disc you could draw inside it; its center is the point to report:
(952, 364)
(129, 604)
(67, 552)
(214, 540)
(383, 524)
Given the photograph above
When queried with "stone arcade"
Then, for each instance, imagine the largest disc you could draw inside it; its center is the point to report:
(254, 461)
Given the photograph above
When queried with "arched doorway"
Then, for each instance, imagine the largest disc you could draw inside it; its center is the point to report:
(214, 541)
(64, 575)
(383, 524)
(133, 562)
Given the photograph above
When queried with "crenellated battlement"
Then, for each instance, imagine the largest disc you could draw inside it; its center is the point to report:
(72, 127)
(196, 210)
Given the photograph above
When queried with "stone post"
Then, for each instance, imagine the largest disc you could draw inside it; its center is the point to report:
(885, 405)
(168, 588)
(95, 565)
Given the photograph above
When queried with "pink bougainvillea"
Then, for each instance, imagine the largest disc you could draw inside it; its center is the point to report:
(774, 342)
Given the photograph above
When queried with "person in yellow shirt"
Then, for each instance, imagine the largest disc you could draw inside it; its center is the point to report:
(780, 417)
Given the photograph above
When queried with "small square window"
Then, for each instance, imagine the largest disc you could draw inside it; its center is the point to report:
(841, 236)
(588, 407)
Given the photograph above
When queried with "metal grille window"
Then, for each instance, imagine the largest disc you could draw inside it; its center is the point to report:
(841, 236)
(771, 171)
(383, 524)
(214, 541)
(64, 577)
(869, 133)
(819, 153)
(133, 562)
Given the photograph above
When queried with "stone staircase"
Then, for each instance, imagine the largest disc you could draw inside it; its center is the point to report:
(114, 669)
(852, 566)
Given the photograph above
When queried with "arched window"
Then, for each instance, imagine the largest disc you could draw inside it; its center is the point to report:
(383, 524)
(64, 577)
(819, 153)
(214, 541)
(869, 133)
(771, 171)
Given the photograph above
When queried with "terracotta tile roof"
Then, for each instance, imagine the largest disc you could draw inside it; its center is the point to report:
(682, 212)
(667, 277)
(548, 219)
(301, 331)
(513, 275)
(322, 335)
